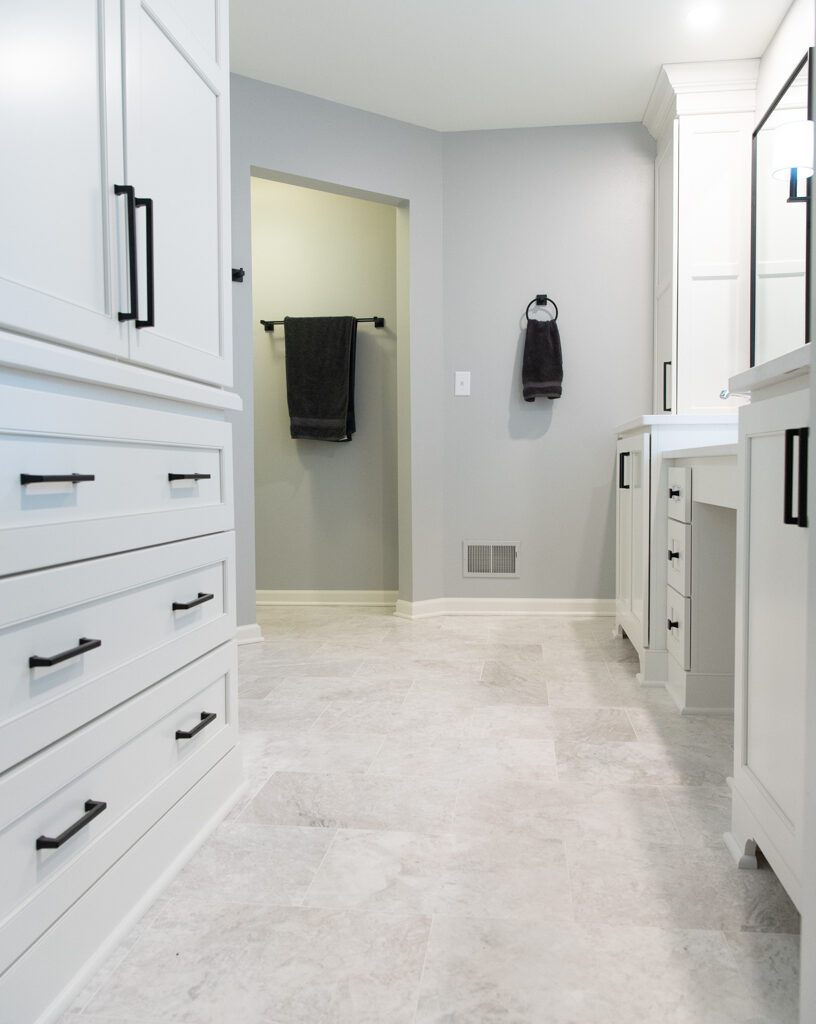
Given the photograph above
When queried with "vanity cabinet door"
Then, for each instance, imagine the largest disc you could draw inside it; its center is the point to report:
(632, 547)
(772, 623)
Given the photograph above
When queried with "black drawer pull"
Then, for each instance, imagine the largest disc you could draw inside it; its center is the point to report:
(801, 517)
(674, 492)
(93, 808)
(188, 476)
(66, 478)
(672, 625)
(183, 606)
(35, 661)
(621, 471)
(133, 284)
(674, 554)
(151, 287)
(206, 719)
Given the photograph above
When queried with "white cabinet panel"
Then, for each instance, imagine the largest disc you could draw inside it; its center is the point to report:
(60, 122)
(176, 143)
(633, 535)
(678, 557)
(678, 628)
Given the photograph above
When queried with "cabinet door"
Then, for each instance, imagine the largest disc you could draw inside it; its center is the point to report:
(632, 535)
(176, 134)
(61, 126)
(772, 637)
(623, 554)
(665, 280)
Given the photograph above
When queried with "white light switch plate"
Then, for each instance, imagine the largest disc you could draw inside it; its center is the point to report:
(461, 383)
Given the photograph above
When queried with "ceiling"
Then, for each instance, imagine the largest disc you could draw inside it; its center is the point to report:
(456, 65)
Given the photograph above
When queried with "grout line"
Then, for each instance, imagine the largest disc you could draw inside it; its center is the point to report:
(422, 969)
(308, 888)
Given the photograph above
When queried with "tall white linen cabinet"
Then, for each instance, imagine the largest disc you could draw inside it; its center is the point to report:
(118, 730)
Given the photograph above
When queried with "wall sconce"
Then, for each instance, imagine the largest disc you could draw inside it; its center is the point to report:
(793, 155)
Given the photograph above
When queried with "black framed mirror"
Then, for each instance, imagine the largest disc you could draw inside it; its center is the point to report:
(781, 219)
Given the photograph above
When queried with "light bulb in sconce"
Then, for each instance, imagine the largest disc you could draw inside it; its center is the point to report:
(793, 154)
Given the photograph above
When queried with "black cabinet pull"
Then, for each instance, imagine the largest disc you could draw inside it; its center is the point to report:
(151, 284)
(64, 478)
(672, 625)
(93, 808)
(188, 476)
(666, 406)
(801, 517)
(621, 485)
(206, 719)
(183, 606)
(674, 554)
(133, 283)
(674, 492)
(35, 661)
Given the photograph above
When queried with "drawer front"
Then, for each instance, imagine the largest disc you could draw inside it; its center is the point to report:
(132, 761)
(123, 607)
(678, 557)
(678, 628)
(678, 498)
(120, 483)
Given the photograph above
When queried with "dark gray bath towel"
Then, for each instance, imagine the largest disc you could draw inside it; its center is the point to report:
(542, 370)
(320, 357)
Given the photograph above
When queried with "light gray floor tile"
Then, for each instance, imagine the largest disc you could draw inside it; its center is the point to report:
(769, 965)
(358, 716)
(278, 717)
(337, 688)
(589, 725)
(672, 729)
(642, 764)
(702, 814)
(451, 757)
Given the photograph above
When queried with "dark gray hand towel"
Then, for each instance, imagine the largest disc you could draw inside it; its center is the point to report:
(320, 357)
(542, 370)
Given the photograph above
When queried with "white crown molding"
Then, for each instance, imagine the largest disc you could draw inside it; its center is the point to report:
(705, 87)
(504, 606)
(250, 634)
(362, 598)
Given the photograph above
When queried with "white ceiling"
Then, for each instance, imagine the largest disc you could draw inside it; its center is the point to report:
(456, 65)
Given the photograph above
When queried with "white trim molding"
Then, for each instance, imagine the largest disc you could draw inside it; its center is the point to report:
(504, 606)
(249, 634)
(362, 598)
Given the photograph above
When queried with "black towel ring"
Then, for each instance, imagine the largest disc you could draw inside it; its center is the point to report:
(542, 300)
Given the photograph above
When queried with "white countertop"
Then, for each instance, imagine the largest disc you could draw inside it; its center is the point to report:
(683, 420)
(775, 371)
(710, 451)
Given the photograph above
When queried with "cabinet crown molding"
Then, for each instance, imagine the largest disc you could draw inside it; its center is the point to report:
(705, 87)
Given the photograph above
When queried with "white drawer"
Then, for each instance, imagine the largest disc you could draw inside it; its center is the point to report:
(678, 498)
(678, 628)
(131, 454)
(678, 557)
(124, 605)
(132, 761)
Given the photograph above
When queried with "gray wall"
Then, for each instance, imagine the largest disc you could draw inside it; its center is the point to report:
(325, 514)
(567, 211)
(308, 138)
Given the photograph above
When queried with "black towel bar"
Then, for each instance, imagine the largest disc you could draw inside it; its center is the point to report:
(378, 321)
(541, 300)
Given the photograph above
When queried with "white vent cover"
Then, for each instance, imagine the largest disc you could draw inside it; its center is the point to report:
(490, 559)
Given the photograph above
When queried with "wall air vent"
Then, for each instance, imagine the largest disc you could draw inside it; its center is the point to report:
(490, 560)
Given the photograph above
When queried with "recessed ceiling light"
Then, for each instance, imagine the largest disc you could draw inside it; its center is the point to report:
(703, 16)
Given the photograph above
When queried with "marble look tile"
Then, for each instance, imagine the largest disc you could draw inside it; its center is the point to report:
(358, 716)
(588, 725)
(486, 972)
(222, 963)
(277, 716)
(425, 717)
(701, 813)
(413, 804)
(437, 669)
(597, 687)
(245, 863)
(607, 813)
(337, 688)
(674, 886)
(444, 693)
(271, 652)
(452, 757)
(673, 729)
(642, 764)
(323, 752)
(769, 965)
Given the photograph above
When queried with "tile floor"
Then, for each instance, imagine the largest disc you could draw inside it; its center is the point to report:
(461, 820)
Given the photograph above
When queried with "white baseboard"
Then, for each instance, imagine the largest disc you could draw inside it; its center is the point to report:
(250, 634)
(504, 606)
(367, 598)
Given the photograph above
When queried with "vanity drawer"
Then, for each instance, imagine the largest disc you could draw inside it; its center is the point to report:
(678, 557)
(133, 761)
(678, 628)
(121, 484)
(678, 497)
(123, 607)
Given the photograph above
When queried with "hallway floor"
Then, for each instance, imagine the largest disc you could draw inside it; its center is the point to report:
(461, 820)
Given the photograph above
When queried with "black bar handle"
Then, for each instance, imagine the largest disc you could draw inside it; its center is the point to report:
(621, 485)
(788, 518)
(151, 284)
(85, 645)
(674, 554)
(672, 625)
(666, 406)
(206, 719)
(674, 492)
(66, 478)
(188, 476)
(183, 606)
(133, 284)
(802, 517)
(93, 808)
